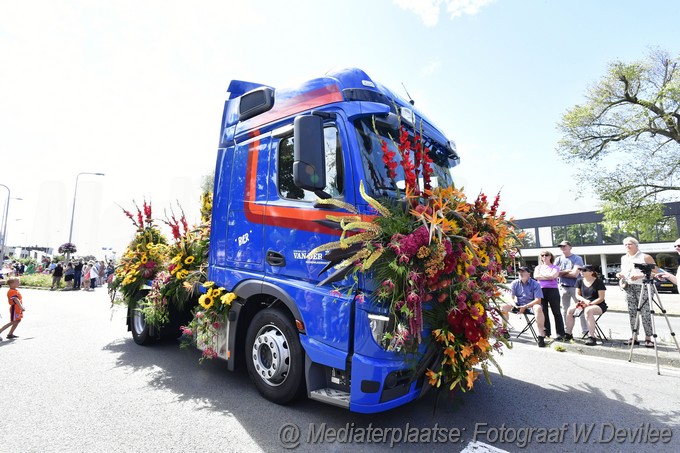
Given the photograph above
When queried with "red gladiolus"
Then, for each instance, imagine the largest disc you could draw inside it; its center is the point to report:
(388, 159)
(147, 211)
(427, 169)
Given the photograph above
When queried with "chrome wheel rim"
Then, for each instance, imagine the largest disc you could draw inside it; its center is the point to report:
(271, 355)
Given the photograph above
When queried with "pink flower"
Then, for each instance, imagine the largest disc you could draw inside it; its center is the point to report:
(413, 298)
(209, 353)
(186, 330)
(200, 315)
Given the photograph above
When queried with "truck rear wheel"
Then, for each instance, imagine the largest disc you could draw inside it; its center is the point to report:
(138, 326)
(274, 356)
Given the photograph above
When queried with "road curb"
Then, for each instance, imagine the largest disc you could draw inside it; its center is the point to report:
(669, 356)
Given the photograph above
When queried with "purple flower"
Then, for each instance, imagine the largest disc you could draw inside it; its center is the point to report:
(413, 298)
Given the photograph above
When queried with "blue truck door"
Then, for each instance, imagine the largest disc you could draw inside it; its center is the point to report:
(292, 230)
(244, 242)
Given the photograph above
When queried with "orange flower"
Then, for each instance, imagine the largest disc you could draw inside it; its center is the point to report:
(467, 351)
(483, 344)
(433, 377)
(471, 376)
(450, 352)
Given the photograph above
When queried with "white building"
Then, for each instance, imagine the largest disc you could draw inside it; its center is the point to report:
(588, 238)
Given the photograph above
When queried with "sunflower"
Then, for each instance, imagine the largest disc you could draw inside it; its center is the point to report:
(216, 292)
(182, 274)
(206, 301)
(483, 258)
(144, 258)
(189, 260)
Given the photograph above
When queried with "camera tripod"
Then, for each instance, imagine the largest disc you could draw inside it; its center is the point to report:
(652, 299)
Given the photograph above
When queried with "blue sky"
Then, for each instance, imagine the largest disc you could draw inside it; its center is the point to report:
(135, 89)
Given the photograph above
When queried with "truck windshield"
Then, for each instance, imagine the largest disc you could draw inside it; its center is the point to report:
(377, 180)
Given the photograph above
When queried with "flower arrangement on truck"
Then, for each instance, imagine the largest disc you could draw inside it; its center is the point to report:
(335, 257)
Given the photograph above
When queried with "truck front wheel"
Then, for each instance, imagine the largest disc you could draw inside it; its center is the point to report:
(274, 356)
(138, 325)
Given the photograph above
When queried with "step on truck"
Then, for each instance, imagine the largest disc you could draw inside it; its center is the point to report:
(280, 150)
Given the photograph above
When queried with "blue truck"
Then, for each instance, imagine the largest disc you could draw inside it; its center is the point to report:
(280, 150)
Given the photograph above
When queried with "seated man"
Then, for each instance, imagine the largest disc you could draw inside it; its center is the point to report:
(527, 294)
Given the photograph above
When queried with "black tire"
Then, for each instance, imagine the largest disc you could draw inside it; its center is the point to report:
(140, 329)
(274, 356)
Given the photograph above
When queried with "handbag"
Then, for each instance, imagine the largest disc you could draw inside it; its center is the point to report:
(623, 284)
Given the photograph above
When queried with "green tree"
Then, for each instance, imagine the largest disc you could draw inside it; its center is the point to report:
(626, 138)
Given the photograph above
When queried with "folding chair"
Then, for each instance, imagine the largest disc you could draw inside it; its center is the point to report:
(598, 330)
(530, 325)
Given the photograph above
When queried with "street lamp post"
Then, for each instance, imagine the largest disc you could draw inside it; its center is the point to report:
(4, 226)
(73, 209)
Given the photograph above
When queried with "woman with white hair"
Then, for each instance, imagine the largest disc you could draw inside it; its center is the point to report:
(631, 278)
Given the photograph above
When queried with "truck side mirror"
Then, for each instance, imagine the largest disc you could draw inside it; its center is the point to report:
(388, 121)
(309, 153)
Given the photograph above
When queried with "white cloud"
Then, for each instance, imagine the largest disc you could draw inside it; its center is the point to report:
(429, 10)
(457, 8)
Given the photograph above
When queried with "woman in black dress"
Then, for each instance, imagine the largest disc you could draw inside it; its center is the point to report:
(590, 295)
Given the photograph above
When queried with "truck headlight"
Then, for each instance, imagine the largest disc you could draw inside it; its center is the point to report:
(380, 325)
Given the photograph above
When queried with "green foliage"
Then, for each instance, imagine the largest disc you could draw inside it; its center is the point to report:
(626, 138)
(38, 281)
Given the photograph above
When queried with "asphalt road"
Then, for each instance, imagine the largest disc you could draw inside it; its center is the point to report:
(75, 381)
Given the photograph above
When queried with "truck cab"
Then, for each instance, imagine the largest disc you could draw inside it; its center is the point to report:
(280, 151)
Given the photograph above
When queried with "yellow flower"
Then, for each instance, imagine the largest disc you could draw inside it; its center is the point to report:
(217, 292)
(189, 260)
(480, 308)
(144, 258)
(208, 284)
(228, 298)
(209, 292)
(182, 274)
(206, 301)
